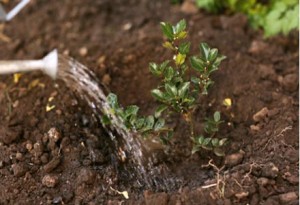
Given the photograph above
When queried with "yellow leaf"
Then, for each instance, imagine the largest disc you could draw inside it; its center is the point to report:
(50, 99)
(33, 83)
(182, 35)
(168, 45)
(179, 59)
(49, 108)
(17, 77)
(227, 102)
(124, 193)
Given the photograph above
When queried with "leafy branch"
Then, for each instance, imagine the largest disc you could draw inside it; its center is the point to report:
(183, 80)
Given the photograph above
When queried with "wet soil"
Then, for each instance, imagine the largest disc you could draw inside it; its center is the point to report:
(52, 151)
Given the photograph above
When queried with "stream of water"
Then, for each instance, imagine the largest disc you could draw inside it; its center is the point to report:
(84, 83)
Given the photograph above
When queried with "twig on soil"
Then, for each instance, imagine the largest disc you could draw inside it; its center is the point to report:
(220, 185)
(275, 136)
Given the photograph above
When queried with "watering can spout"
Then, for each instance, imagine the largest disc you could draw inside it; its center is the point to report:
(49, 65)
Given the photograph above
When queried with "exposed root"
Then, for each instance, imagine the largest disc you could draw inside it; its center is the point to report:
(220, 184)
(247, 176)
(276, 136)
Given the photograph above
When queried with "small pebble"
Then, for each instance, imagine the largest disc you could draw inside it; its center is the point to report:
(38, 149)
(255, 127)
(266, 72)
(292, 155)
(54, 134)
(241, 195)
(257, 47)
(189, 7)
(262, 181)
(18, 169)
(19, 156)
(106, 79)
(127, 26)
(44, 158)
(57, 200)
(288, 197)
(260, 115)
(290, 82)
(83, 51)
(269, 170)
(234, 159)
(86, 176)
(50, 180)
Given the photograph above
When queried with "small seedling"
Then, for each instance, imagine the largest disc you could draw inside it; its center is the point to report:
(184, 79)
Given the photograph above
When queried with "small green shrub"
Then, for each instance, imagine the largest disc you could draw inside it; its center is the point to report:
(274, 17)
(182, 82)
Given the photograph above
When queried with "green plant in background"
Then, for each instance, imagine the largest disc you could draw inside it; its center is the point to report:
(182, 83)
(274, 17)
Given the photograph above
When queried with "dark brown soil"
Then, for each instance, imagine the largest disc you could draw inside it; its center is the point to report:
(62, 156)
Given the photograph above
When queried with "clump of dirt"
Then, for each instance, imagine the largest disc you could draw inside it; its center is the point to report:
(53, 151)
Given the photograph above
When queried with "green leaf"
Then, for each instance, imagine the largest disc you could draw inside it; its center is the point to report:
(158, 95)
(189, 100)
(195, 80)
(139, 123)
(149, 122)
(167, 30)
(184, 48)
(201, 140)
(131, 110)
(195, 149)
(105, 120)
(166, 138)
(219, 152)
(197, 63)
(171, 89)
(163, 66)
(215, 142)
(219, 60)
(132, 121)
(177, 79)
(206, 141)
(222, 142)
(213, 53)
(179, 59)
(204, 48)
(160, 123)
(154, 68)
(183, 89)
(217, 116)
(112, 100)
(180, 26)
(160, 110)
(169, 73)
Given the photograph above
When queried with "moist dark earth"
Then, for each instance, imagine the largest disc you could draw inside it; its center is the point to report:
(52, 151)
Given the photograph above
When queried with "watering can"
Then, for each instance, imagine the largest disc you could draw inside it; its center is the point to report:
(8, 16)
(49, 65)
